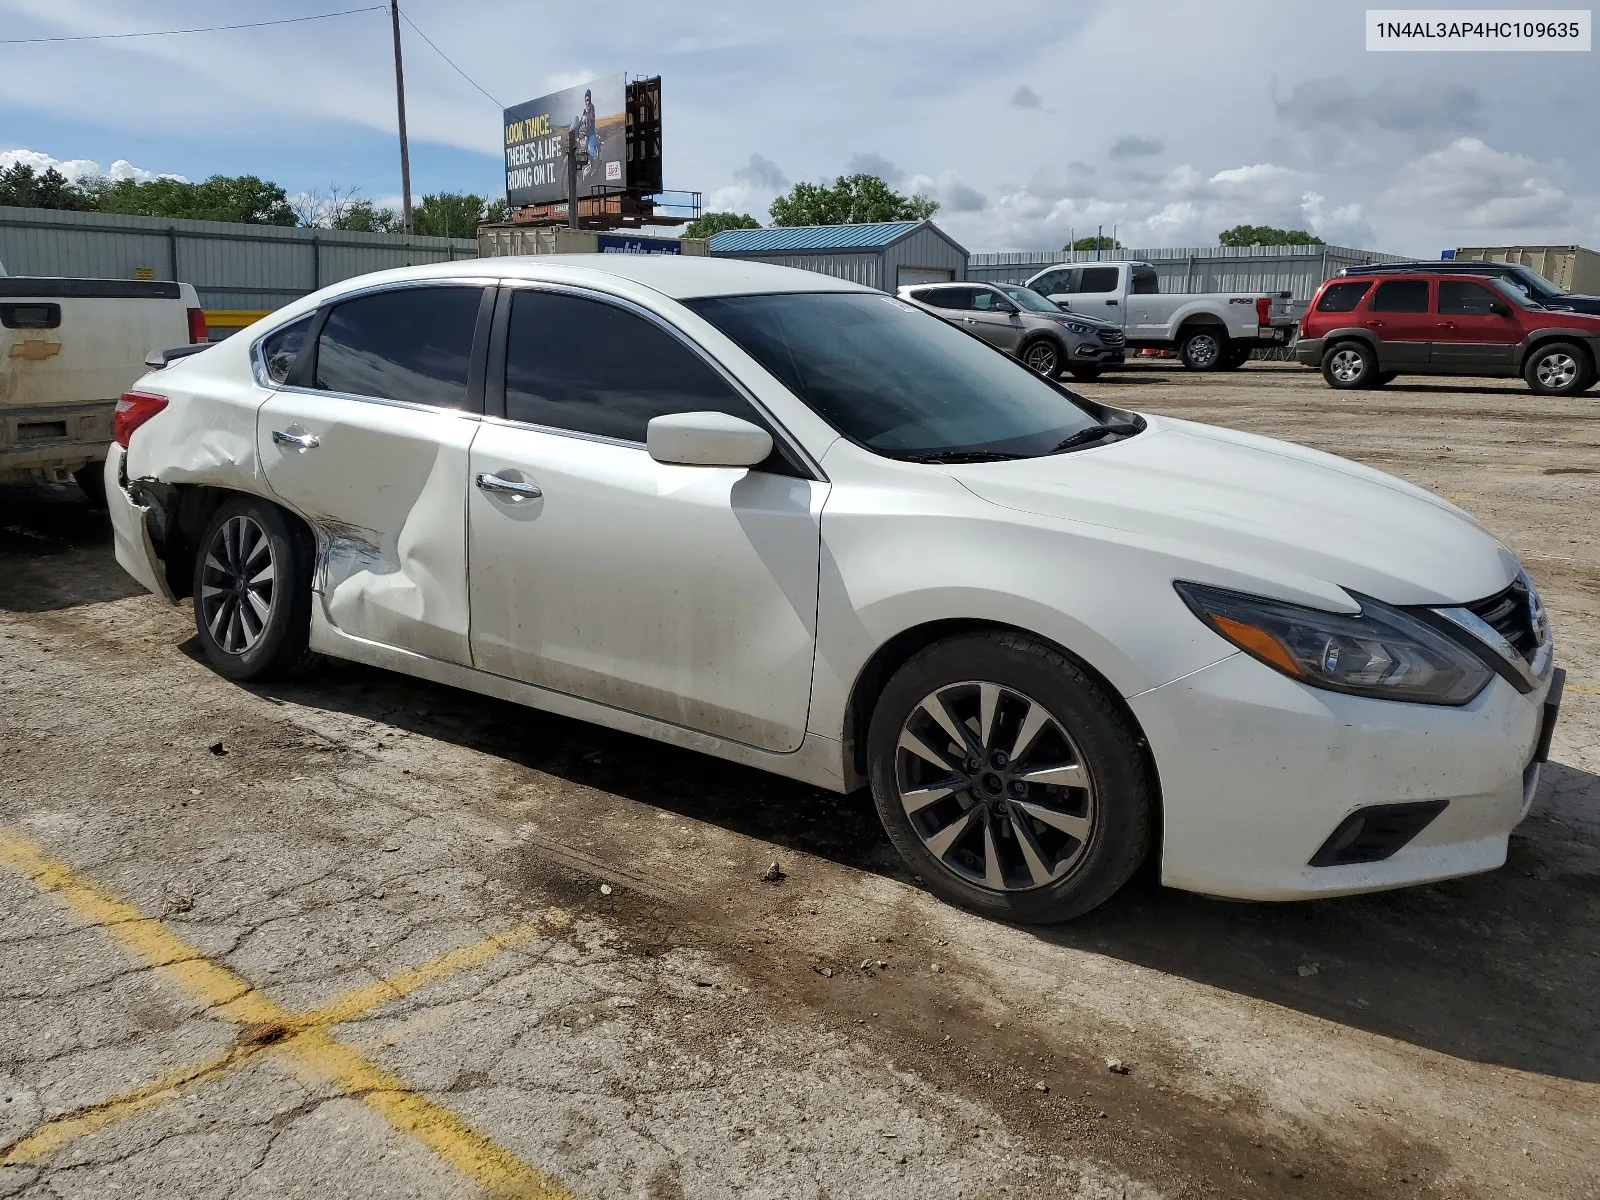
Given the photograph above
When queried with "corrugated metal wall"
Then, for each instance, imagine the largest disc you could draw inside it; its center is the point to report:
(1294, 269)
(875, 267)
(231, 266)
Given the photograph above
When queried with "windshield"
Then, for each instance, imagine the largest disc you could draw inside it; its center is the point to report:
(895, 379)
(1031, 300)
(1532, 284)
(1514, 293)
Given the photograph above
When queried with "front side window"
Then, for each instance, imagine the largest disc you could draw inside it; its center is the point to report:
(280, 348)
(984, 300)
(898, 380)
(1457, 297)
(1343, 297)
(411, 344)
(1098, 279)
(1400, 296)
(591, 367)
(1056, 283)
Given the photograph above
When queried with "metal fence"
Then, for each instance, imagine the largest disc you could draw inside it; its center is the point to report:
(249, 267)
(1294, 269)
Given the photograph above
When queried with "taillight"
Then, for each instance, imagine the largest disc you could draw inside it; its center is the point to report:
(133, 410)
(1263, 311)
(197, 327)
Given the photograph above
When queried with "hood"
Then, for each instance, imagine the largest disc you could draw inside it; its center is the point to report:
(1243, 500)
(1588, 305)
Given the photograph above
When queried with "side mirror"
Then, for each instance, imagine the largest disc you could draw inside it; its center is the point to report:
(706, 439)
(1500, 310)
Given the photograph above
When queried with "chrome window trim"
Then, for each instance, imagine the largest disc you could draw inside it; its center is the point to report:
(258, 354)
(790, 442)
(411, 405)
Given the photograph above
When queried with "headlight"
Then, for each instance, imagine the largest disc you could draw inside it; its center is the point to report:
(1078, 327)
(1380, 652)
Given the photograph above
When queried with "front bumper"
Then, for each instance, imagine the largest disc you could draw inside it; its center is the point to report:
(1257, 771)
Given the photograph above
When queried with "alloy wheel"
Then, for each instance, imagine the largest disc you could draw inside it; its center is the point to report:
(994, 786)
(237, 585)
(1557, 371)
(1041, 357)
(1346, 365)
(1204, 349)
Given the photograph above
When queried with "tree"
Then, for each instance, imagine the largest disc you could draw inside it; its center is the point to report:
(1101, 242)
(853, 200)
(1266, 235)
(245, 199)
(363, 216)
(454, 214)
(710, 224)
(21, 187)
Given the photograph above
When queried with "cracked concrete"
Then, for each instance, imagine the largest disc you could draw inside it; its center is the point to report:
(677, 1036)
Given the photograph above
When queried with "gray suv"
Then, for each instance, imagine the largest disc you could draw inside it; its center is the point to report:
(1022, 322)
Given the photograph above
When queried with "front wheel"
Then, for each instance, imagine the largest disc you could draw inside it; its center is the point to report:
(1008, 779)
(1559, 369)
(252, 591)
(1041, 355)
(1204, 349)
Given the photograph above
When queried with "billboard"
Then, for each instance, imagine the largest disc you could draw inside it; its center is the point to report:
(536, 142)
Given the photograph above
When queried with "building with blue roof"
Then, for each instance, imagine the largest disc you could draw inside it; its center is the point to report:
(885, 254)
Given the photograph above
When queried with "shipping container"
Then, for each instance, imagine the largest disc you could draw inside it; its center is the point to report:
(1571, 268)
(496, 241)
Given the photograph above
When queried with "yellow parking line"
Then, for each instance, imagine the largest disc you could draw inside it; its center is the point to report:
(1587, 691)
(302, 1037)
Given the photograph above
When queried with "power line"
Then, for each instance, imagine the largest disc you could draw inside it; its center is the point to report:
(447, 59)
(101, 37)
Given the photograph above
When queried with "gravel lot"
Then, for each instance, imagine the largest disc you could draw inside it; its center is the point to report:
(364, 936)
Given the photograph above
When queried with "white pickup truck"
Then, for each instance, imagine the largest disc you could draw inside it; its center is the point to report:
(68, 349)
(1211, 331)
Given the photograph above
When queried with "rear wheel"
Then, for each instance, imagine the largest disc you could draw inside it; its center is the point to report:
(1349, 365)
(1043, 356)
(1558, 369)
(1236, 357)
(1008, 779)
(1204, 348)
(1384, 378)
(252, 591)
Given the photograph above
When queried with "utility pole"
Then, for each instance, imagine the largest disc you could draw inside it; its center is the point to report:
(400, 103)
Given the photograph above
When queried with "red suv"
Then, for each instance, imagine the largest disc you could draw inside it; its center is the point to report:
(1363, 332)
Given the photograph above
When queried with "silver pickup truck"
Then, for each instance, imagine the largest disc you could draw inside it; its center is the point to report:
(1211, 331)
(68, 349)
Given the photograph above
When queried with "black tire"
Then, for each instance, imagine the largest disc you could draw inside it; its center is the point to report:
(1085, 370)
(91, 481)
(240, 641)
(1087, 737)
(1385, 378)
(1043, 355)
(1559, 369)
(1349, 365)
(1237, 357)
(1204, 347)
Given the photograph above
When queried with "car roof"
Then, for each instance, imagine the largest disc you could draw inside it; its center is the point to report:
(1444, 266)
(680, 276)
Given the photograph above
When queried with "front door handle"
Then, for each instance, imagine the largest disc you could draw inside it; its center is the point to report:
(509, 487)
(970, 320)
(1373, 324)
(300, 441)
(1111, 302)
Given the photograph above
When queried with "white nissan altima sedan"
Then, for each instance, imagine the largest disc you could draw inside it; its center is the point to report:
(799, 524)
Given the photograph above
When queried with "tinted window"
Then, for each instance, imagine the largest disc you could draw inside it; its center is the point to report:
(1460, 298)
(280, 349)
(1054, 283)
(1343, 297)
(896, 379)
(955, 298)
(411, 344)
(1400, 295)
(592, 367)
(1146, 282)
(1098, 279)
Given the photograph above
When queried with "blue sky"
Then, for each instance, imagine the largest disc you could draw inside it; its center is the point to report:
(1027, 120)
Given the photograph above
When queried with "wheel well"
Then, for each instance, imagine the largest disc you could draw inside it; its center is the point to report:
(1566, 339)
(1043, 336)
(1203, 320)
(180, 512)
(1341, 339)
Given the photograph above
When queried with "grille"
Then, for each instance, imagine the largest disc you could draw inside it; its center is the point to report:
(1511, 616)
(1112, 337)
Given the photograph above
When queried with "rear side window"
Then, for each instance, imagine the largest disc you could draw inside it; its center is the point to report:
(1343, 297)
(591, 367)
(280, 349)
(1400, 295)
(953, 298)
(1457, 297)
(1145, 282)
(411, 344)
(1098, 279)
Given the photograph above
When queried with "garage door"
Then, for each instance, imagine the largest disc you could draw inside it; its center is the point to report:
(906, 276)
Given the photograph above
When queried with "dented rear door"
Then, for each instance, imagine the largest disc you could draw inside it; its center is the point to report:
(371, 448)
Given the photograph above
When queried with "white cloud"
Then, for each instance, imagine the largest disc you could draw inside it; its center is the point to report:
(1469, 185)
(76, 169)
(953, 195)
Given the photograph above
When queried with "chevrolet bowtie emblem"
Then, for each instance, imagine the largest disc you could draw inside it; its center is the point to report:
(35, 350)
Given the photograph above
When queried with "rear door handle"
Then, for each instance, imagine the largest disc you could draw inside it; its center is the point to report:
(300, 441)
(509, 487)
(1373, 324)
(1447, 324)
